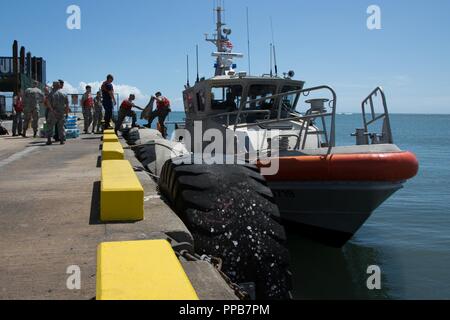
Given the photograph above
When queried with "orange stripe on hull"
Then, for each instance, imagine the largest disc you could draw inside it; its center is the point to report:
(348, 167)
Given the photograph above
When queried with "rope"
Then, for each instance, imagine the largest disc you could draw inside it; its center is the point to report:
(217, 264)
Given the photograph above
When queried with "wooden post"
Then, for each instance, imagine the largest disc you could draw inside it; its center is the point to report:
(22, 60)
(34, 69)
(28, 65)
(15, 55)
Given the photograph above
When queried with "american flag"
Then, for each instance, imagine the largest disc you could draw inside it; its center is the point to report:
(228, 44)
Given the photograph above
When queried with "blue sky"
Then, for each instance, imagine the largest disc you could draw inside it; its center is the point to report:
(144, 44)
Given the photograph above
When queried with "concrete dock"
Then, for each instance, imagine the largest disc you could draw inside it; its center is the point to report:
(49, 211)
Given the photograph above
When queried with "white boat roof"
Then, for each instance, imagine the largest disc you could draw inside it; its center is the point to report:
(247, 77)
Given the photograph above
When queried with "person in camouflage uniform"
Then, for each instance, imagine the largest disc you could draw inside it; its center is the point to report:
(98, 113)
(57, 102)
(33, 97)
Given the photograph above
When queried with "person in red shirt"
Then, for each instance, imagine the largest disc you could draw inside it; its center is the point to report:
(17, 114)
(126, 111)
(162, 111)
(87, 105)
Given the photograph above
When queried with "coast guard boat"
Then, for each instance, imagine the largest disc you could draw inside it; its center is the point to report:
(328, 191)
(331, 190)
(237, 211)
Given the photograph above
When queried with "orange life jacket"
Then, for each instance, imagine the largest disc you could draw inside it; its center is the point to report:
(163, 103)
(127, 105)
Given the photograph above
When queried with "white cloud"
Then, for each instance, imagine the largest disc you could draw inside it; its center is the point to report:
(69, 89)
(123, 90)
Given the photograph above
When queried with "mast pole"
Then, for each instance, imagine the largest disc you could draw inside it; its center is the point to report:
(187, 69)
(271, 59)
(219, 29)
(248, 44)
(223, 54)
(196, 56)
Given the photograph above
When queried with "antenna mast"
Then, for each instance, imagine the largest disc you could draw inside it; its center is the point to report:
(271, 60)
(224, 47)
(196, 54)
(275, 61)
(187, 69)
(273, 49)
(248, 45)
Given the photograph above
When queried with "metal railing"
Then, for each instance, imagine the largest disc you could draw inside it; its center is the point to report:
(386, 135)
(330, 136)
(228, 115)
(75, 100)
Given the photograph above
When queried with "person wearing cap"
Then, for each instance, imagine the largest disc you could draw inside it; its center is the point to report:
(87, 104)
(98, 113)
(33, 97)
(56, 131)
(161, 112)
(57, 104)
(109, 101)
(126, 111)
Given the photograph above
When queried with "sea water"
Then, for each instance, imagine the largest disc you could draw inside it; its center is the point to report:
(408, 237)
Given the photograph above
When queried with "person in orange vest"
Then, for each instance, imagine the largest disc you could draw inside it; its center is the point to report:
(87, 104)
(125, 110)
(162, 111)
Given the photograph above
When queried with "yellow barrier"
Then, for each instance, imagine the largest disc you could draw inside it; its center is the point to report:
(141, 270)
(122, 195)
(112, 151)
(110, 138)
(109, 131)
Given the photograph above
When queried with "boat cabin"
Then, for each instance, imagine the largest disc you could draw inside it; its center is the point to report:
(231, 94)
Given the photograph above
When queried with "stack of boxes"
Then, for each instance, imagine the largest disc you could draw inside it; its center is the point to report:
(72, 130)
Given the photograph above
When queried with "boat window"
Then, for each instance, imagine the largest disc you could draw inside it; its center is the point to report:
(201, 101)
(226, 98)
(258, 91)
(188, 102)
(289, 102)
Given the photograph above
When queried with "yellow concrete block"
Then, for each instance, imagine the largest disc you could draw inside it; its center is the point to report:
(109, 131)
(110, 138)
(122, 195)
(141, 270)
(112, 151)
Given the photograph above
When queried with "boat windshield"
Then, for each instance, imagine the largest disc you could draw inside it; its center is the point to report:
(259, 91)
(226, 98)
(256, 92)
(289, 102)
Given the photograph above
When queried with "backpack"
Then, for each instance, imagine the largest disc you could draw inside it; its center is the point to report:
(3, 131)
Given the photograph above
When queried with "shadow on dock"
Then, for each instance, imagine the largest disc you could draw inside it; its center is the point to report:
(94, 218)
(91, 138)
